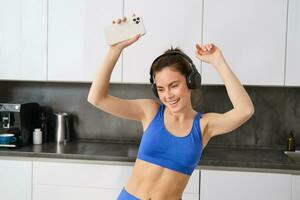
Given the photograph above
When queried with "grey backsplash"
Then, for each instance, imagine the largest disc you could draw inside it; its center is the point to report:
(276, 111)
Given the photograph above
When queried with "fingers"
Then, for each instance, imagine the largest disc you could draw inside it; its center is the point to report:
(128, 42)
(119, 20)
(135, 38)
(204, 48)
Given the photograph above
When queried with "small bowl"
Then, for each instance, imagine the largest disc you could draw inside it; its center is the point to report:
(7, 138)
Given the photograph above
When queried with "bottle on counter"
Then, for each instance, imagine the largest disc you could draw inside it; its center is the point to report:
(37, 136)
(291, 143)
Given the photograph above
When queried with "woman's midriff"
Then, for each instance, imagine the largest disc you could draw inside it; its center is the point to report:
(150, 181)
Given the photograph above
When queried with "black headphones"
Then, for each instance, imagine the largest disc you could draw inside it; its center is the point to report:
(193, 79)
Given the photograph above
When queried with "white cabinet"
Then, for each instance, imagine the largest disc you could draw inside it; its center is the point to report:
(23, 39)
(168, 23)
(191, 191)
(63, 40)
(52, 180)
(76, 42)
(252, 37)
(49, 192)
(186, 196)
(295, 187)
(293, 45)
(236, 185)
(15, 179)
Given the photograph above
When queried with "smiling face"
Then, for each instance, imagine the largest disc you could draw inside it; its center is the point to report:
(172, 89)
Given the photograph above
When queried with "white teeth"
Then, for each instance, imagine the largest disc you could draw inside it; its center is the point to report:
(172, 102)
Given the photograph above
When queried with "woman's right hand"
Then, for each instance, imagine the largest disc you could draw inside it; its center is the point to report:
(122, 45)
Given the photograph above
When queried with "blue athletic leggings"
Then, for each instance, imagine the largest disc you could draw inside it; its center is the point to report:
(124, 195)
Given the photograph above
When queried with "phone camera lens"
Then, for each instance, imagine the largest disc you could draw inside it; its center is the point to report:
(137, 22)
(138, 18)
(134, 19)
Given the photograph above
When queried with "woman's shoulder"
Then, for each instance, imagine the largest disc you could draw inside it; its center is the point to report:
(204, 120)
(150, 106)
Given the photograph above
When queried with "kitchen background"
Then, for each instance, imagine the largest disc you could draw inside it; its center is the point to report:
(54, 43)
(276, 111)
(50, 51)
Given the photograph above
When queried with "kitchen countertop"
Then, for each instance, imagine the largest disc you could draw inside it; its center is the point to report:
(213, 157)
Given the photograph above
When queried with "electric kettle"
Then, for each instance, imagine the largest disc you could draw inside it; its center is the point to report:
(62, 127)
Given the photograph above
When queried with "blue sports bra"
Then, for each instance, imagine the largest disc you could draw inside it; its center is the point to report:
(160, 147)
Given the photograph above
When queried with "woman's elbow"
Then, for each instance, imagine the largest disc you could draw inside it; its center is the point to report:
(97, 101)
(249, 112)
(92, 100)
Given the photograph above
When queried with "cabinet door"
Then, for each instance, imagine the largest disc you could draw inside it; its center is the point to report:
(23, 39)
(293, 44)
(251, 35)
(50, 192)
(187, 196)
(234, 185)
(295, 187)
(76, 39)
(168, 23)
(15, 181)
(80, 175)
(78, 181)
(191, 191)
(193, 184)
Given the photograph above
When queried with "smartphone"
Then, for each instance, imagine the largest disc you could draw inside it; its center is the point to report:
(120, 32)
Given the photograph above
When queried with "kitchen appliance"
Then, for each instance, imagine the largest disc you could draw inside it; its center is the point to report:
(18, 121)
(62, 127)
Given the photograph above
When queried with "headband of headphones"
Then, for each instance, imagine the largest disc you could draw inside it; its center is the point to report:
(193, 79)
(174, 52)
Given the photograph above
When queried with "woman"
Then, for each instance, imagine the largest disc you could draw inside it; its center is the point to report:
(174, 134)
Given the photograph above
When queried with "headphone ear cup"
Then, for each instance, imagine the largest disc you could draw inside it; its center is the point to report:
(154, 89)
(189, 81)
(194, 80)
(197, 80)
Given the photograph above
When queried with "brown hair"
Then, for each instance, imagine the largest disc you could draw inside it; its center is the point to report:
(171, 60)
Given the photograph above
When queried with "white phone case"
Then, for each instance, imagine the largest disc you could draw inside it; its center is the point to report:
(120, 32)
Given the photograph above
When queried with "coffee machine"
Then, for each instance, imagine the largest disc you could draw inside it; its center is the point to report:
(18, 121)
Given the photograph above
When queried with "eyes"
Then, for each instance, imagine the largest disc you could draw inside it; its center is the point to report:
(173, 86)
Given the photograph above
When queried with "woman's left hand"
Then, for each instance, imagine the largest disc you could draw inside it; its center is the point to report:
(209, 53)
